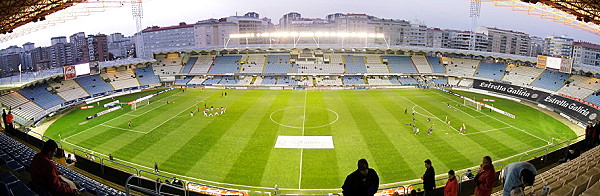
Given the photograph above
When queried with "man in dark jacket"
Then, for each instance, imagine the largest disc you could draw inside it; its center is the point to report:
(428, 178)
(362, 182)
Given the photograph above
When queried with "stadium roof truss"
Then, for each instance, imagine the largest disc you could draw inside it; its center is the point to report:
(21, 17)
(580, 14)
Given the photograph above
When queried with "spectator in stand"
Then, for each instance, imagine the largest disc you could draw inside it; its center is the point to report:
(516, 176)
(470, 175)
(588, 135)
(362, 182)
(451, 188)
(485, 178)
(9, 121)
(45, 174)
(4, 119)
(428, 178)
(595, 133)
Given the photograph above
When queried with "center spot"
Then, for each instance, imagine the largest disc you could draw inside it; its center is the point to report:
(299, 117)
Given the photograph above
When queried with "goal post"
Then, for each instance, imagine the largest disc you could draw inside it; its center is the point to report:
(473, 104)
(136, 104)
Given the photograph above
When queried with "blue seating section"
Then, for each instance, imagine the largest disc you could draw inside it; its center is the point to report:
(93, 84)
(211, 81)
(594, 99)
(40, 95)
(394, 80)
(550, 80)
(21, 154)
(493, 71)
(146, 76)
(229, 80)
(440, 80)
(408, 81)
(188, 66)
(355, 64)
(286, 80)
(269, 80)
(184, 80)
(400, 64)
(435, 65)
(353, 80)
(226, 64)
(277, 64)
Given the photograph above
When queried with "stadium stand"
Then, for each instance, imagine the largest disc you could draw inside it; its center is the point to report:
(266, 80)
(400, 64)
(18, 157)
(375, 59)
(421, 64)
(68, 90)
(146, 76)
(493, 71)
(336, 59)
(521, 75)
(188, 66)
(278, 64)
(465, 82)
(13, 99)
(453, 81)
(408, 81)
(379, 80)
(41, 96)
(353, 80)
(229, 80)
(377, 68)
(435, 65)
(183, 81)
(212, 80)
(580, 86)
(93, 84)
(287, 80)
(550, 80)
(121, 79)
(167, 66)
(203, 64)
(355, 64)
(313, 67)
(226, 64)
(197, 80)
(441, 80)
(27, 112)
(245, 80)
(462, 67)
(253, 64)
(329, 81)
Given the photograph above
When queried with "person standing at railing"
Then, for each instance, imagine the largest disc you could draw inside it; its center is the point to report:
(485, 178)
(428, 178)
(451, 188)
(362, 182)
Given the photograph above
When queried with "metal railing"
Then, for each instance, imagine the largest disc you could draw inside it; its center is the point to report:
(159, 187)
(547, 149)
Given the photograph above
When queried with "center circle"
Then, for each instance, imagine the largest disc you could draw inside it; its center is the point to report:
(302, 117)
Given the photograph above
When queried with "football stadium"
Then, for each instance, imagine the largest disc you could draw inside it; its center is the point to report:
(290, 112)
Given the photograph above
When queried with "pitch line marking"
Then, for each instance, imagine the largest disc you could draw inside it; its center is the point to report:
(486, 131)
(176, 115)
(124, 129)
(294, 127)
(111, 120)
(521, 130)
(302, 149)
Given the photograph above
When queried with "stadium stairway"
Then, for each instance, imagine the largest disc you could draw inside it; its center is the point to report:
(188, 66)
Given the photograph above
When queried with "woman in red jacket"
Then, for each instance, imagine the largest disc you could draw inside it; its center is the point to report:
(451, 188)
(485, 178)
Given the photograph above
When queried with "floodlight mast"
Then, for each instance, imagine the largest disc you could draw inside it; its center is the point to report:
(475, 12)
(138, 13)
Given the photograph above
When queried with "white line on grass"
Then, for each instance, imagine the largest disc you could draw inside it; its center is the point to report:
(432, 115)
(486, 131)
(176, 115)
(507, 124)
(302, 149)
(123, 129)
(65, 139)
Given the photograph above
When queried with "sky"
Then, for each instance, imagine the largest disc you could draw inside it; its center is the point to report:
(445, 14)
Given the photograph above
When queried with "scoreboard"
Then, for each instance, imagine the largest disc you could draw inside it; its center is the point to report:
(562, 64)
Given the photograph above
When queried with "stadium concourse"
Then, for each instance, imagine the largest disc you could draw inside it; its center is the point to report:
(40, 99)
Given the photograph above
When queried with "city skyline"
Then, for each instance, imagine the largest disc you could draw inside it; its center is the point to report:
(435, 14)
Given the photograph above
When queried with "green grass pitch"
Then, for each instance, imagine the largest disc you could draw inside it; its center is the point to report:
(238, 147)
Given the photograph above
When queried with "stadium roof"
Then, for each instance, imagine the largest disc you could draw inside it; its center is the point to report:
(16, 13)
(580, 14)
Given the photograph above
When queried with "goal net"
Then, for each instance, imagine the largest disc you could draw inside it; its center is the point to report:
(472, 104)
(137, 104)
